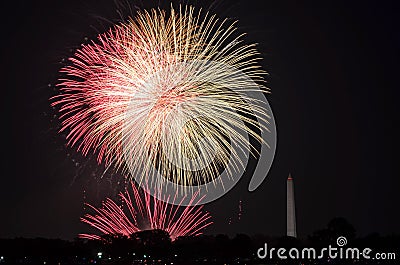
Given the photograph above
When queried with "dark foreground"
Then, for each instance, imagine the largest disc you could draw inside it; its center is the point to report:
(154, 247)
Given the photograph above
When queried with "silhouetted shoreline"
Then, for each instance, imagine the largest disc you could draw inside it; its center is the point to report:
(155, 247)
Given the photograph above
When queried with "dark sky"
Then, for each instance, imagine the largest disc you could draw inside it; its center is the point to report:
(334, 70)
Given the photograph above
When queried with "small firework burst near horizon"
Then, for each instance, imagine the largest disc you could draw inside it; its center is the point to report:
(140, 211)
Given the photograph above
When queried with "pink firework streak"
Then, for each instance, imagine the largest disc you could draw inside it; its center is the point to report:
(145, 212)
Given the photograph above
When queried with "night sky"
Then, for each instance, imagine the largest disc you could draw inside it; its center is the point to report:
(334, 70)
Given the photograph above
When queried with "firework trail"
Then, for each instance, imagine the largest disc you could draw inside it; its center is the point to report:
(143, 96)
(140, 211)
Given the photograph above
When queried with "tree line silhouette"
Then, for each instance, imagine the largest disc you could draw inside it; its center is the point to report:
(156, 247)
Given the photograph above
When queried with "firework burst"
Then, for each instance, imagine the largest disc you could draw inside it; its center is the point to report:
(139, 211)
(144, 95)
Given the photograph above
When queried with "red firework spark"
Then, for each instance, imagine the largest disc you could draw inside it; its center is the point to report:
(143, 212)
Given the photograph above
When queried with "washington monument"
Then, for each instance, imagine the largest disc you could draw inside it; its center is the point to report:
(291, 209)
